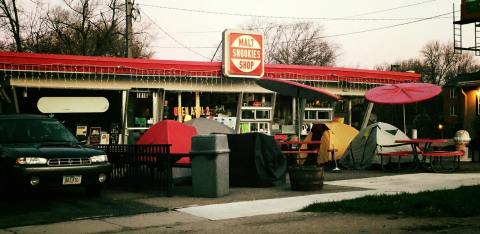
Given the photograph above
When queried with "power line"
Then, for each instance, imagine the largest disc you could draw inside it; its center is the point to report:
(292, 17)
(180, 47)
(174, 39)
(379, 28)
(273, 26)
(391, 9)
(349, 33)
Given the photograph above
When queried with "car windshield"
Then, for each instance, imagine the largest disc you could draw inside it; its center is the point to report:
(34, 131)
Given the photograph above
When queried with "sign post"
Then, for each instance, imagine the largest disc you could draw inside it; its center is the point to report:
(243, 54)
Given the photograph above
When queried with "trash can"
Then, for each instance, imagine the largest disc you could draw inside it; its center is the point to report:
(462, 138)
(210, 167)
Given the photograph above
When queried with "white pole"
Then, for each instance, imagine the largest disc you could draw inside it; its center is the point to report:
(366, 117)
(404, 125)
(179, 106)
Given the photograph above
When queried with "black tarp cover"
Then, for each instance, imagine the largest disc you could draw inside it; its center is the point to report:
(255, 160)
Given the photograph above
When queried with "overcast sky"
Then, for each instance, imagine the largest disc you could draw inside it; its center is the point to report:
(194, 27)
(198, 24)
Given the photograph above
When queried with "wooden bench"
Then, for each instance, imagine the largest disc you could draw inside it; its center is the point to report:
(294, 149)
(437, 163)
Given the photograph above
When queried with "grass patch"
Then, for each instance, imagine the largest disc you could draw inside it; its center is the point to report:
(461, 202)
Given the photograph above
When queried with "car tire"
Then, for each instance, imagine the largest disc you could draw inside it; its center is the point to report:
(93, 190)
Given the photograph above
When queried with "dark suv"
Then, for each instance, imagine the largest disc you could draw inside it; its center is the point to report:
(39, 151)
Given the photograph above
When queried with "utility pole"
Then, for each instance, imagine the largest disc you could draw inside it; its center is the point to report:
(128, 28)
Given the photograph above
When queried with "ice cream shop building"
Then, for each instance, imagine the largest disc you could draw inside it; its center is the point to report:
(123, 97)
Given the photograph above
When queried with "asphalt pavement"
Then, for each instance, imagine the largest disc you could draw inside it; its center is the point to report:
(70, 211)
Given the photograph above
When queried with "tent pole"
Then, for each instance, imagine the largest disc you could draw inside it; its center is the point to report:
(366, 117)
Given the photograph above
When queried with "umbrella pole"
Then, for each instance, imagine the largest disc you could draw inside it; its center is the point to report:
(299, 118)
(404, 125)
(366, 117)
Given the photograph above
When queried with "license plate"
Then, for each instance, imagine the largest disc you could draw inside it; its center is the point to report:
(67, 180)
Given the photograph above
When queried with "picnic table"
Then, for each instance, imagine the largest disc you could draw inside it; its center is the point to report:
(437, 158)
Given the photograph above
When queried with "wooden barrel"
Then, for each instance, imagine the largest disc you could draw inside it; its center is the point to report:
(306, 177)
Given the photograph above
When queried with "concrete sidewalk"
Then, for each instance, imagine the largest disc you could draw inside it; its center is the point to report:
(411, 183)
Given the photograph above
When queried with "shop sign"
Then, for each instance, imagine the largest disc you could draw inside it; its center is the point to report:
(72, 105)
(193, 111)
(243, 54)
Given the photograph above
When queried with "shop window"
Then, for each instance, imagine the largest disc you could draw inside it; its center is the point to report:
(139, 107)
(318, 114)
(255, 119)
(256, 113)
(263, 114)
(248, 114)
(247, 127)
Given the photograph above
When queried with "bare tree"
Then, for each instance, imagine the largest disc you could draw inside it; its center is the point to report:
(9, 19)
(301, 44)
(437, 63)
(298, 43)
(414, 65)
(83, 27)
(442, 64)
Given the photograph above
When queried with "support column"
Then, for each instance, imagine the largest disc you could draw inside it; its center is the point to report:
(179, 110)
(198, 109)
(124, 136)
(349, 111)
(155, 107)
(239, 112)
(274, 100)
(161, 104)
(294, 112)
(15, 100)
(301, 111)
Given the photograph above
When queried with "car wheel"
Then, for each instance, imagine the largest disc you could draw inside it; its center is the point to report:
(93, 190)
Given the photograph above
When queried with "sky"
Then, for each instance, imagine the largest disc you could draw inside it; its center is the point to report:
(192, 29)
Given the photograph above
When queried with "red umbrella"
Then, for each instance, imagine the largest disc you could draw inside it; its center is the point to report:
(295, 89)
(404, 93)
(171, 132)
(298, 90)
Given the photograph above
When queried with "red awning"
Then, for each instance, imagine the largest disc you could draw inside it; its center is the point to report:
(112, 65)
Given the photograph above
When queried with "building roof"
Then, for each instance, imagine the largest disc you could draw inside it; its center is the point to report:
(463, 80)
(128, 66)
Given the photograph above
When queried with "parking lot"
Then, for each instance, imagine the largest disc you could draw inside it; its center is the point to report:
(48, 206)
(51, 206)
